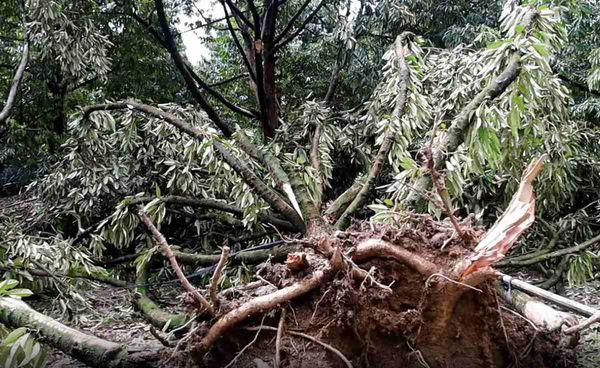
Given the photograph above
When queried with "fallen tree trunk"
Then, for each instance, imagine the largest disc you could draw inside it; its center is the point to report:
(537, 312)
(151, 311)
(579, 308)
(89, 349)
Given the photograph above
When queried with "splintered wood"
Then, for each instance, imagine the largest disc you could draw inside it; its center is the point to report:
(517, 218)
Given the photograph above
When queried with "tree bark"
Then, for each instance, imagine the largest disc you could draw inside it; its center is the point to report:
(12, 92)
(89, 349)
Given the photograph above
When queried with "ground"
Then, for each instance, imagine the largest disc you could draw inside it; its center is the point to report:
(353, 322)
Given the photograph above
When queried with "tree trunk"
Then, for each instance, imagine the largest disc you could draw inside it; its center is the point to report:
(89, 349)
(271, 104)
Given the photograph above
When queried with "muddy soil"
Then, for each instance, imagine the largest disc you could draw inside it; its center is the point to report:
(375, 327)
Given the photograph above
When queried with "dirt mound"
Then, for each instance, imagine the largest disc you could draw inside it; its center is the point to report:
(402, 307)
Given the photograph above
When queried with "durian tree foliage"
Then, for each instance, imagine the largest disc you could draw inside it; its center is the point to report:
(324, 116)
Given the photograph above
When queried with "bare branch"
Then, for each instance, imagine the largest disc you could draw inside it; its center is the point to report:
(228, 80)
(583, 325)
(386, 145)
(440, 186)
(550, 255)
(292, 21)
(239, 13)
(287, 40)
(214, 281)
(166, 249)
(184, 70)
(233, 107)
(237, 43)
(14, 88)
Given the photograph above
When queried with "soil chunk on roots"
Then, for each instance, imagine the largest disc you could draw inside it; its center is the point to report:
(404, 307)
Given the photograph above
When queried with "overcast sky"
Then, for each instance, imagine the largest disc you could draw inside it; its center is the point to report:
(194, 47)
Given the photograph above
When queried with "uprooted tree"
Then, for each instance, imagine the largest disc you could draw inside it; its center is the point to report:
(437, 129)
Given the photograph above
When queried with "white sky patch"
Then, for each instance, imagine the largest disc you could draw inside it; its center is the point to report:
(195, 48)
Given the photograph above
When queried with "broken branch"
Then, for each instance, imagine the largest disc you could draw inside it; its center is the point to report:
(214, 281)
(166, 249)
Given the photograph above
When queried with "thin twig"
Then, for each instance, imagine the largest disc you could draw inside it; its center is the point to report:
(583, 325)
(368, 275)
(166, 249)
(440, 187)
(504, 328)
(535, 332)
(160, 339)
(317, 305)
(280, 329)
(308, 337)
(419, 355)
(214, 282)
(452, 281)
(258, 329)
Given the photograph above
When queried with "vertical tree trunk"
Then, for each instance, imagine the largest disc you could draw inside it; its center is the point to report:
(271, 122)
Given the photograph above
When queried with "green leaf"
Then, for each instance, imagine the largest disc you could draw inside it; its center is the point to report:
(7, 285)
(497, 44)
(515, 122)
(541, 49)
(12, 337)
(20, 293)
(519, 28)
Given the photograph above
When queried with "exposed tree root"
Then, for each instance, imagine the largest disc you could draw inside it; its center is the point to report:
(308, 337)
(449, 321)
(267, 302)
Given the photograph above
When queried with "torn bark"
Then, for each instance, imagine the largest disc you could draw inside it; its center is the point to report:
(518, 217)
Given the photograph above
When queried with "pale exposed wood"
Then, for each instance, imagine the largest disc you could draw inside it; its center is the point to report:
(561, 301)
(585, 324)
(518, 217)
(12, 92)
(214, 281)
